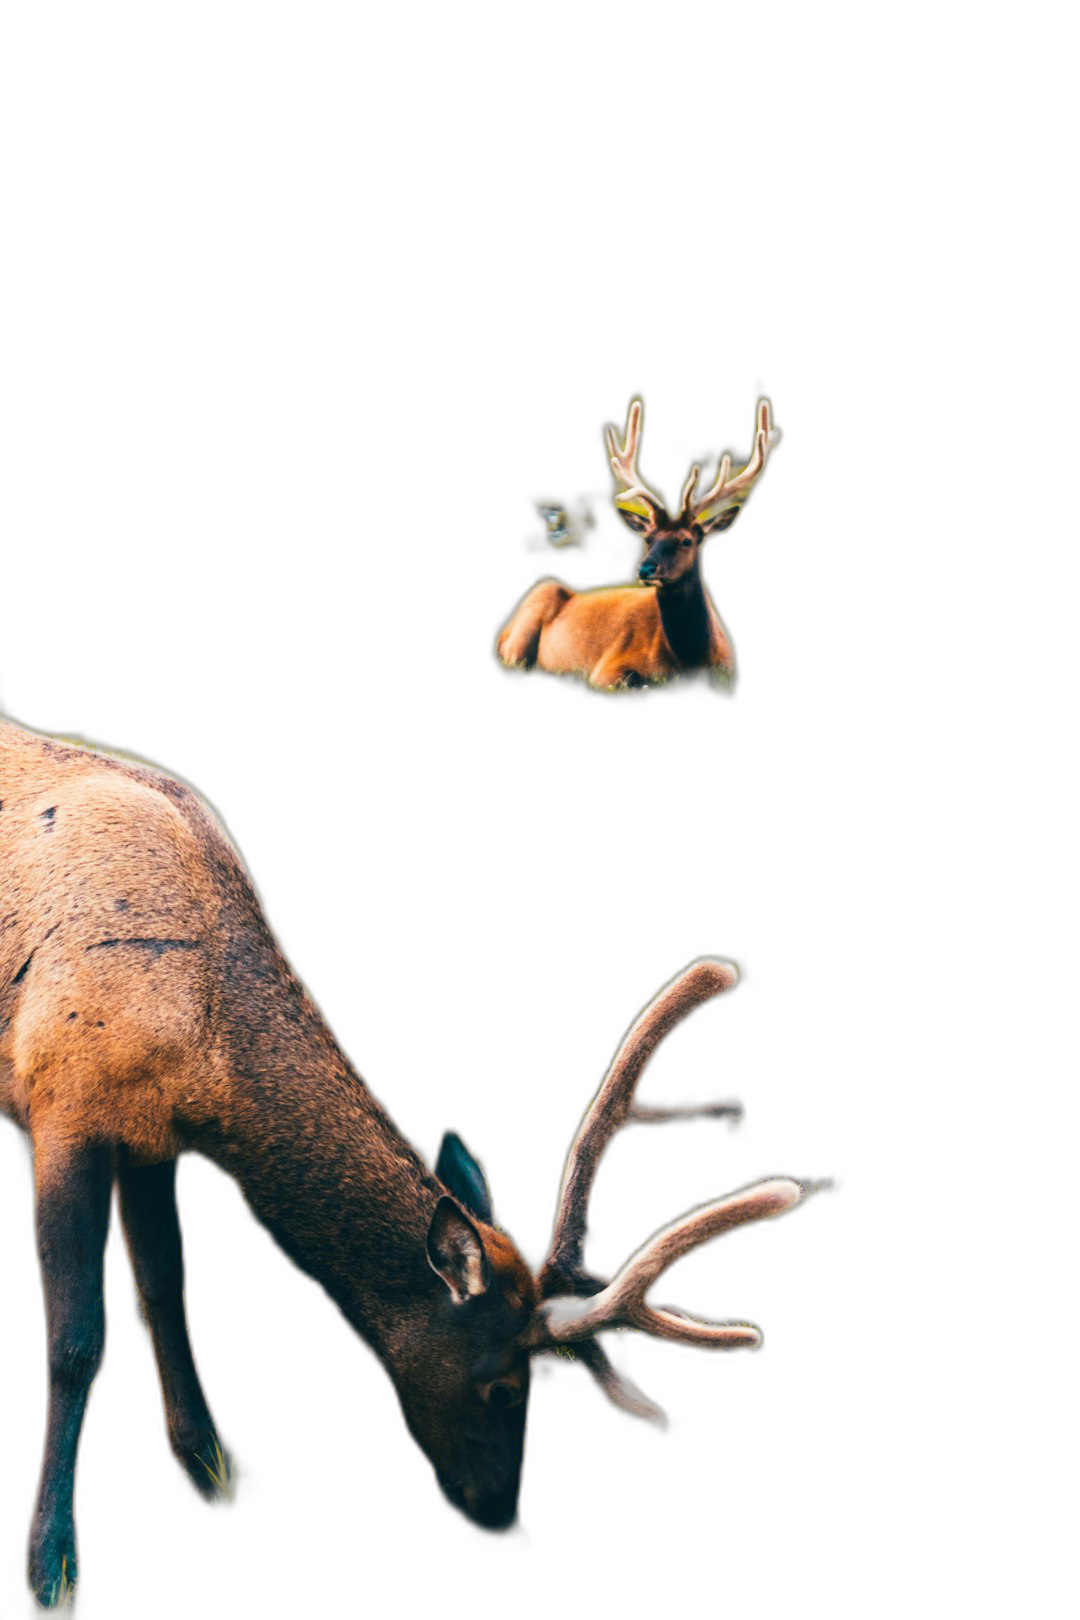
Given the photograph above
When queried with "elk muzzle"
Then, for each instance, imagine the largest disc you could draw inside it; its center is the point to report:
(486, 1487)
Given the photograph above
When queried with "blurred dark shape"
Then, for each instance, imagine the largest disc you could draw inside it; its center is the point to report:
(565, 528)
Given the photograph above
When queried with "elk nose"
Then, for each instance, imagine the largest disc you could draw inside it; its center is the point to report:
(647, 569)
(491, 1512)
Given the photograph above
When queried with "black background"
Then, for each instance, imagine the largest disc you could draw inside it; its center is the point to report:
(272, 538)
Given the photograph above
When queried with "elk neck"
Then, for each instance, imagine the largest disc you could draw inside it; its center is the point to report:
(684, 617)
(317, 1158)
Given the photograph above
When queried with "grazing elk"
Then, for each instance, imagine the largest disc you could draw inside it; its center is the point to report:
(625, 635)
(145, 1010)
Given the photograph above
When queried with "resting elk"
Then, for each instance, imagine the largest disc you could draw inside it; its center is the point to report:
(625, 635)
(146, 1010)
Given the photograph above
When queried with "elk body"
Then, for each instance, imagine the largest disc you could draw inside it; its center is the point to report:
(146, 1010)
(631, 635)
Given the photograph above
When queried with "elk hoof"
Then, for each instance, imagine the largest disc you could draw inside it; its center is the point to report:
(53, 1568)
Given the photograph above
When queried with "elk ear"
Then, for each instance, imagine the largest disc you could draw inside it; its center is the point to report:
(635, 520)
(723, 520)
(460, 1174)
(455, 1251)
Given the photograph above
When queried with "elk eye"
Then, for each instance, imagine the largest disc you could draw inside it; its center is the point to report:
(500, 1395)
(685, 543)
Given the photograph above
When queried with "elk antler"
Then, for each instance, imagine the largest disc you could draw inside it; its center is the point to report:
(577, 1306)
(727, 489)
(635, 495)
(622, 1302)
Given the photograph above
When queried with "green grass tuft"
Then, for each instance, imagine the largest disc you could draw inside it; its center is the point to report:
(62, 1595)
(224, 1475)
(721, 682)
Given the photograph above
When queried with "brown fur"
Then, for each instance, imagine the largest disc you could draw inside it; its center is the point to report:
(610, 635)
(143, 1000)
(146, 1009)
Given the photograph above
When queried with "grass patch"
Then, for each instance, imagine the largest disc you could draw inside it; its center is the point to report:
(224, 1475)
(721, 682)
(62, 1594)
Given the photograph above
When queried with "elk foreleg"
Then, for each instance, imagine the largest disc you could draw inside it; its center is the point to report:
(519, 640)
(74, 1187)
(152, 1227)
(613, 671)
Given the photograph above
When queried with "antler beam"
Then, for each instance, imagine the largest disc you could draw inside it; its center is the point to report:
(576, 1306)
(726, 488)
(634, 493)
(613, 1106)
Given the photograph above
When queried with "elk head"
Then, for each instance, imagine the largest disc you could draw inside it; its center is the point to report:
(458, 1354)
(500, 1315)
(672, 543)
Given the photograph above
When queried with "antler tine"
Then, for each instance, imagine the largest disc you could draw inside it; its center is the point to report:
(726, 487)
(685, 504)
(570, 1320)
(619, 1389)
(624, 465)
(624, 457)
(576, 1307)
(613, 1106)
